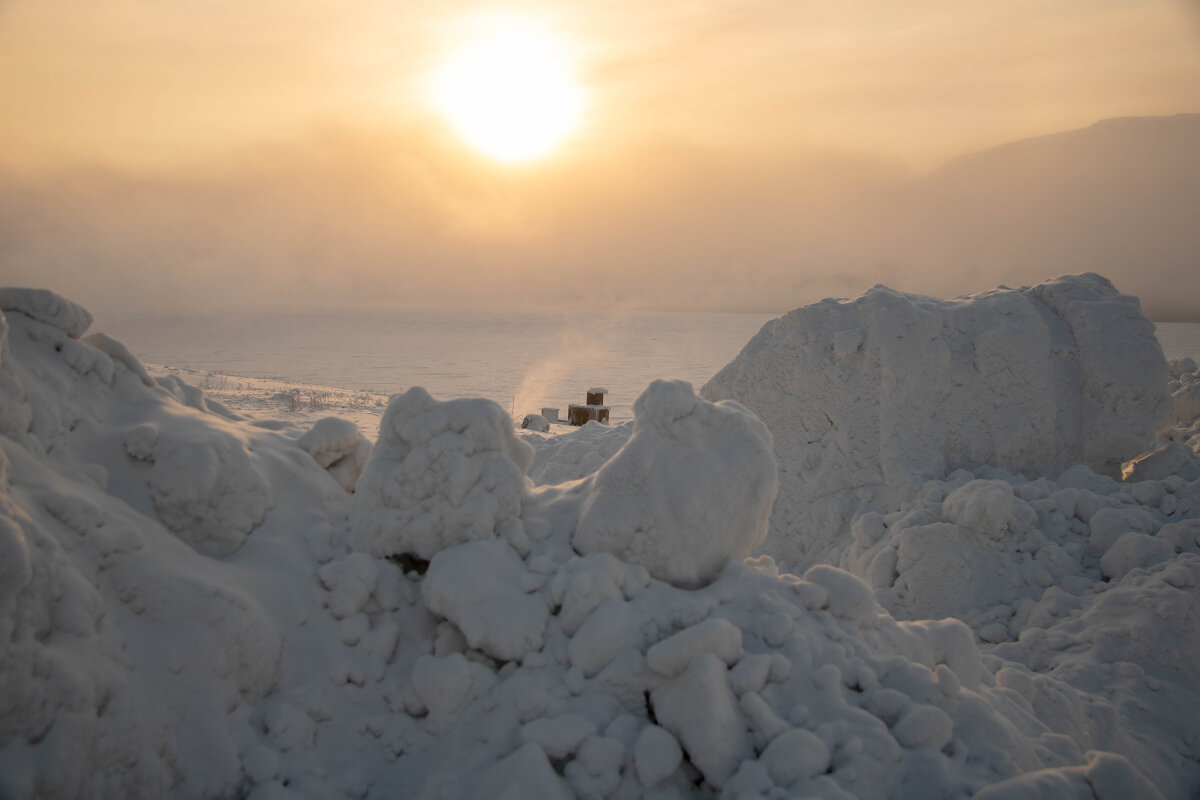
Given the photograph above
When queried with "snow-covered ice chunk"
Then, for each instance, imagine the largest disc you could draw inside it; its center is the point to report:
(848, 598)
(610, 630)
(689, 492)
(536, 423)
(446, 684)
(656, 755)
(699, 708)
(329, 440)
(1187, 403)
(441, 474)
(1132, 550)
(206, 487)
(1106, 776)
(1110, 524)
(714, 636)
(350, 583)
(559, 736)
(796, 754)
(118, 352)
(924, 725)
(48, 307)
(338, 446)
(989, 507)
(578, 452)
(583, 584)
(1031, 380)
(477, 586)
(524, 775)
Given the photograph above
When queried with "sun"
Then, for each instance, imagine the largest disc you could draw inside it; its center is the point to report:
(509, 91)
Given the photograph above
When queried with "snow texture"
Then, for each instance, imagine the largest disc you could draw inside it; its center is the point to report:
(337, 446)
(441, 474)
(477, 586)
(119, 353)
(48, 307)
(270, 635)
(689, 492)
(868, 398)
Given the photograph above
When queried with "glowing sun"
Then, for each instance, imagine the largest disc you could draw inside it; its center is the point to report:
(509, 91)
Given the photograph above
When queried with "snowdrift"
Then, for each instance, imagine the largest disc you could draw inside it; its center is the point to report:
(195, 606)
(868, 398)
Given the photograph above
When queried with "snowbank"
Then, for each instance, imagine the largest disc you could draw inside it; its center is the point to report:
(48, 307)
(689, 492)
(284, 652)
(866, 399)
(441, 474)
(337, 445)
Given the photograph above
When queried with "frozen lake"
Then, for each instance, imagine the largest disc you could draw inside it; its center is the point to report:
(522, 360)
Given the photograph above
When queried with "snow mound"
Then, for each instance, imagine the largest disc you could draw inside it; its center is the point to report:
(536, 423)
(868, 398)
(48, 307)
(205, 486)
(689, 492)
(1032, 552)
(120, 354)
(441, 474)
(515, 666)
(477, 587)
(338, 446)
(577, 453)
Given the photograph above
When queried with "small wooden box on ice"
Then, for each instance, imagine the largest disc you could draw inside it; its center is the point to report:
(593, 410)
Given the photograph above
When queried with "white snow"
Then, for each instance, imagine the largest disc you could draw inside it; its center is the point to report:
(1032, 380)
(48, 307)
(477, 586)
(714, 636)
(441, 474)
(337, 445)
(690, 491)
(119, 353)
(193, 605)
(535, 422)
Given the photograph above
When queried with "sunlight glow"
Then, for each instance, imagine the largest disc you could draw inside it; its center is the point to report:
(509, 92)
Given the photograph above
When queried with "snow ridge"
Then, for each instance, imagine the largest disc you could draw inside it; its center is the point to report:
(194, 606)
(868, 398)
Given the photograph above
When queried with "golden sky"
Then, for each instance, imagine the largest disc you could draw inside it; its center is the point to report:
(218, 131)
(139, 80)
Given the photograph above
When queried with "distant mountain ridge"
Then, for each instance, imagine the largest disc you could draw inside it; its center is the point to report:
(1120, 197)
(699, 230)
(1135, 131)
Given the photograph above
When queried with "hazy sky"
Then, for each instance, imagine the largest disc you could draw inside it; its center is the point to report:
(166, 152)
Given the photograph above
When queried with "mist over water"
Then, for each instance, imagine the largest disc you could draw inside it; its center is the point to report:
(523, 360)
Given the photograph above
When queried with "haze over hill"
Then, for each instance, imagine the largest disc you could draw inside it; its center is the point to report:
(352, 218)
(1120, 197)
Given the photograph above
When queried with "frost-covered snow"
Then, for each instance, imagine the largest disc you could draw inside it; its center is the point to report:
(194, 605)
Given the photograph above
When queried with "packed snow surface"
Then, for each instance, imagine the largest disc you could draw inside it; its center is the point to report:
(868, 398)
(196, 605)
